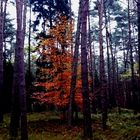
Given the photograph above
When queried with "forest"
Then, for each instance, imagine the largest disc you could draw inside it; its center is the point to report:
(69, 69)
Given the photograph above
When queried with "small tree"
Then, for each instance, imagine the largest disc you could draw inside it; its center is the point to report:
(54, 65)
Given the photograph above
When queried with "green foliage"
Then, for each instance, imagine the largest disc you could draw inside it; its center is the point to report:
(136, 67)
(126, 75)
(9, 30)
(48, 10)
(47, 125)
(126, 125)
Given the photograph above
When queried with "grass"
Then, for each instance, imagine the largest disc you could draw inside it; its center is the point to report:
(48, 126)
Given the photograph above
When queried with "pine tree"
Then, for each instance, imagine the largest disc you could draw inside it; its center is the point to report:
(102, 66)
(18, 115)
(1, 58)
(74, 70)
(84, 70)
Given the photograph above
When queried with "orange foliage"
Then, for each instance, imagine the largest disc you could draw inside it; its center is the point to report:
(57, 51)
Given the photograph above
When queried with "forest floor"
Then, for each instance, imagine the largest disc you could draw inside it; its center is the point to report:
(49, 126)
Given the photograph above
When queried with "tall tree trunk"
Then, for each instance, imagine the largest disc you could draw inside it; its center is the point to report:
(90, 55)
(91, 63)
(1, 60)
(18, 114)
(29, 73)
(112, 75)
(22, 92)
(138, 15)
(84, 71)
(138, 22)
(131, 61)
(102, 66)
(4, 18)
(125, 52)
(108, 60)
(74, 70)
(29, 45)
(15, 112)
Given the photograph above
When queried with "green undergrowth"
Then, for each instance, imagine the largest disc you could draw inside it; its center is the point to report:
(49, 126)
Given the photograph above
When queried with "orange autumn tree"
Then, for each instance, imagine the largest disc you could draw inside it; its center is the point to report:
(56, 59)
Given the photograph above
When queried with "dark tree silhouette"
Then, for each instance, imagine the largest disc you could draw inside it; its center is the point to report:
(18, 115)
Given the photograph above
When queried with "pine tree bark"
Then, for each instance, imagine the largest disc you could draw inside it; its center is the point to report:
(131, 62)
(102, 66)
(138, 15)
(108, 60)
(74, 70)
(1, 60)
(18, 115)
(22, 92)
(29, 49)
(91, 69)
(84, 71)
(138, 22)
